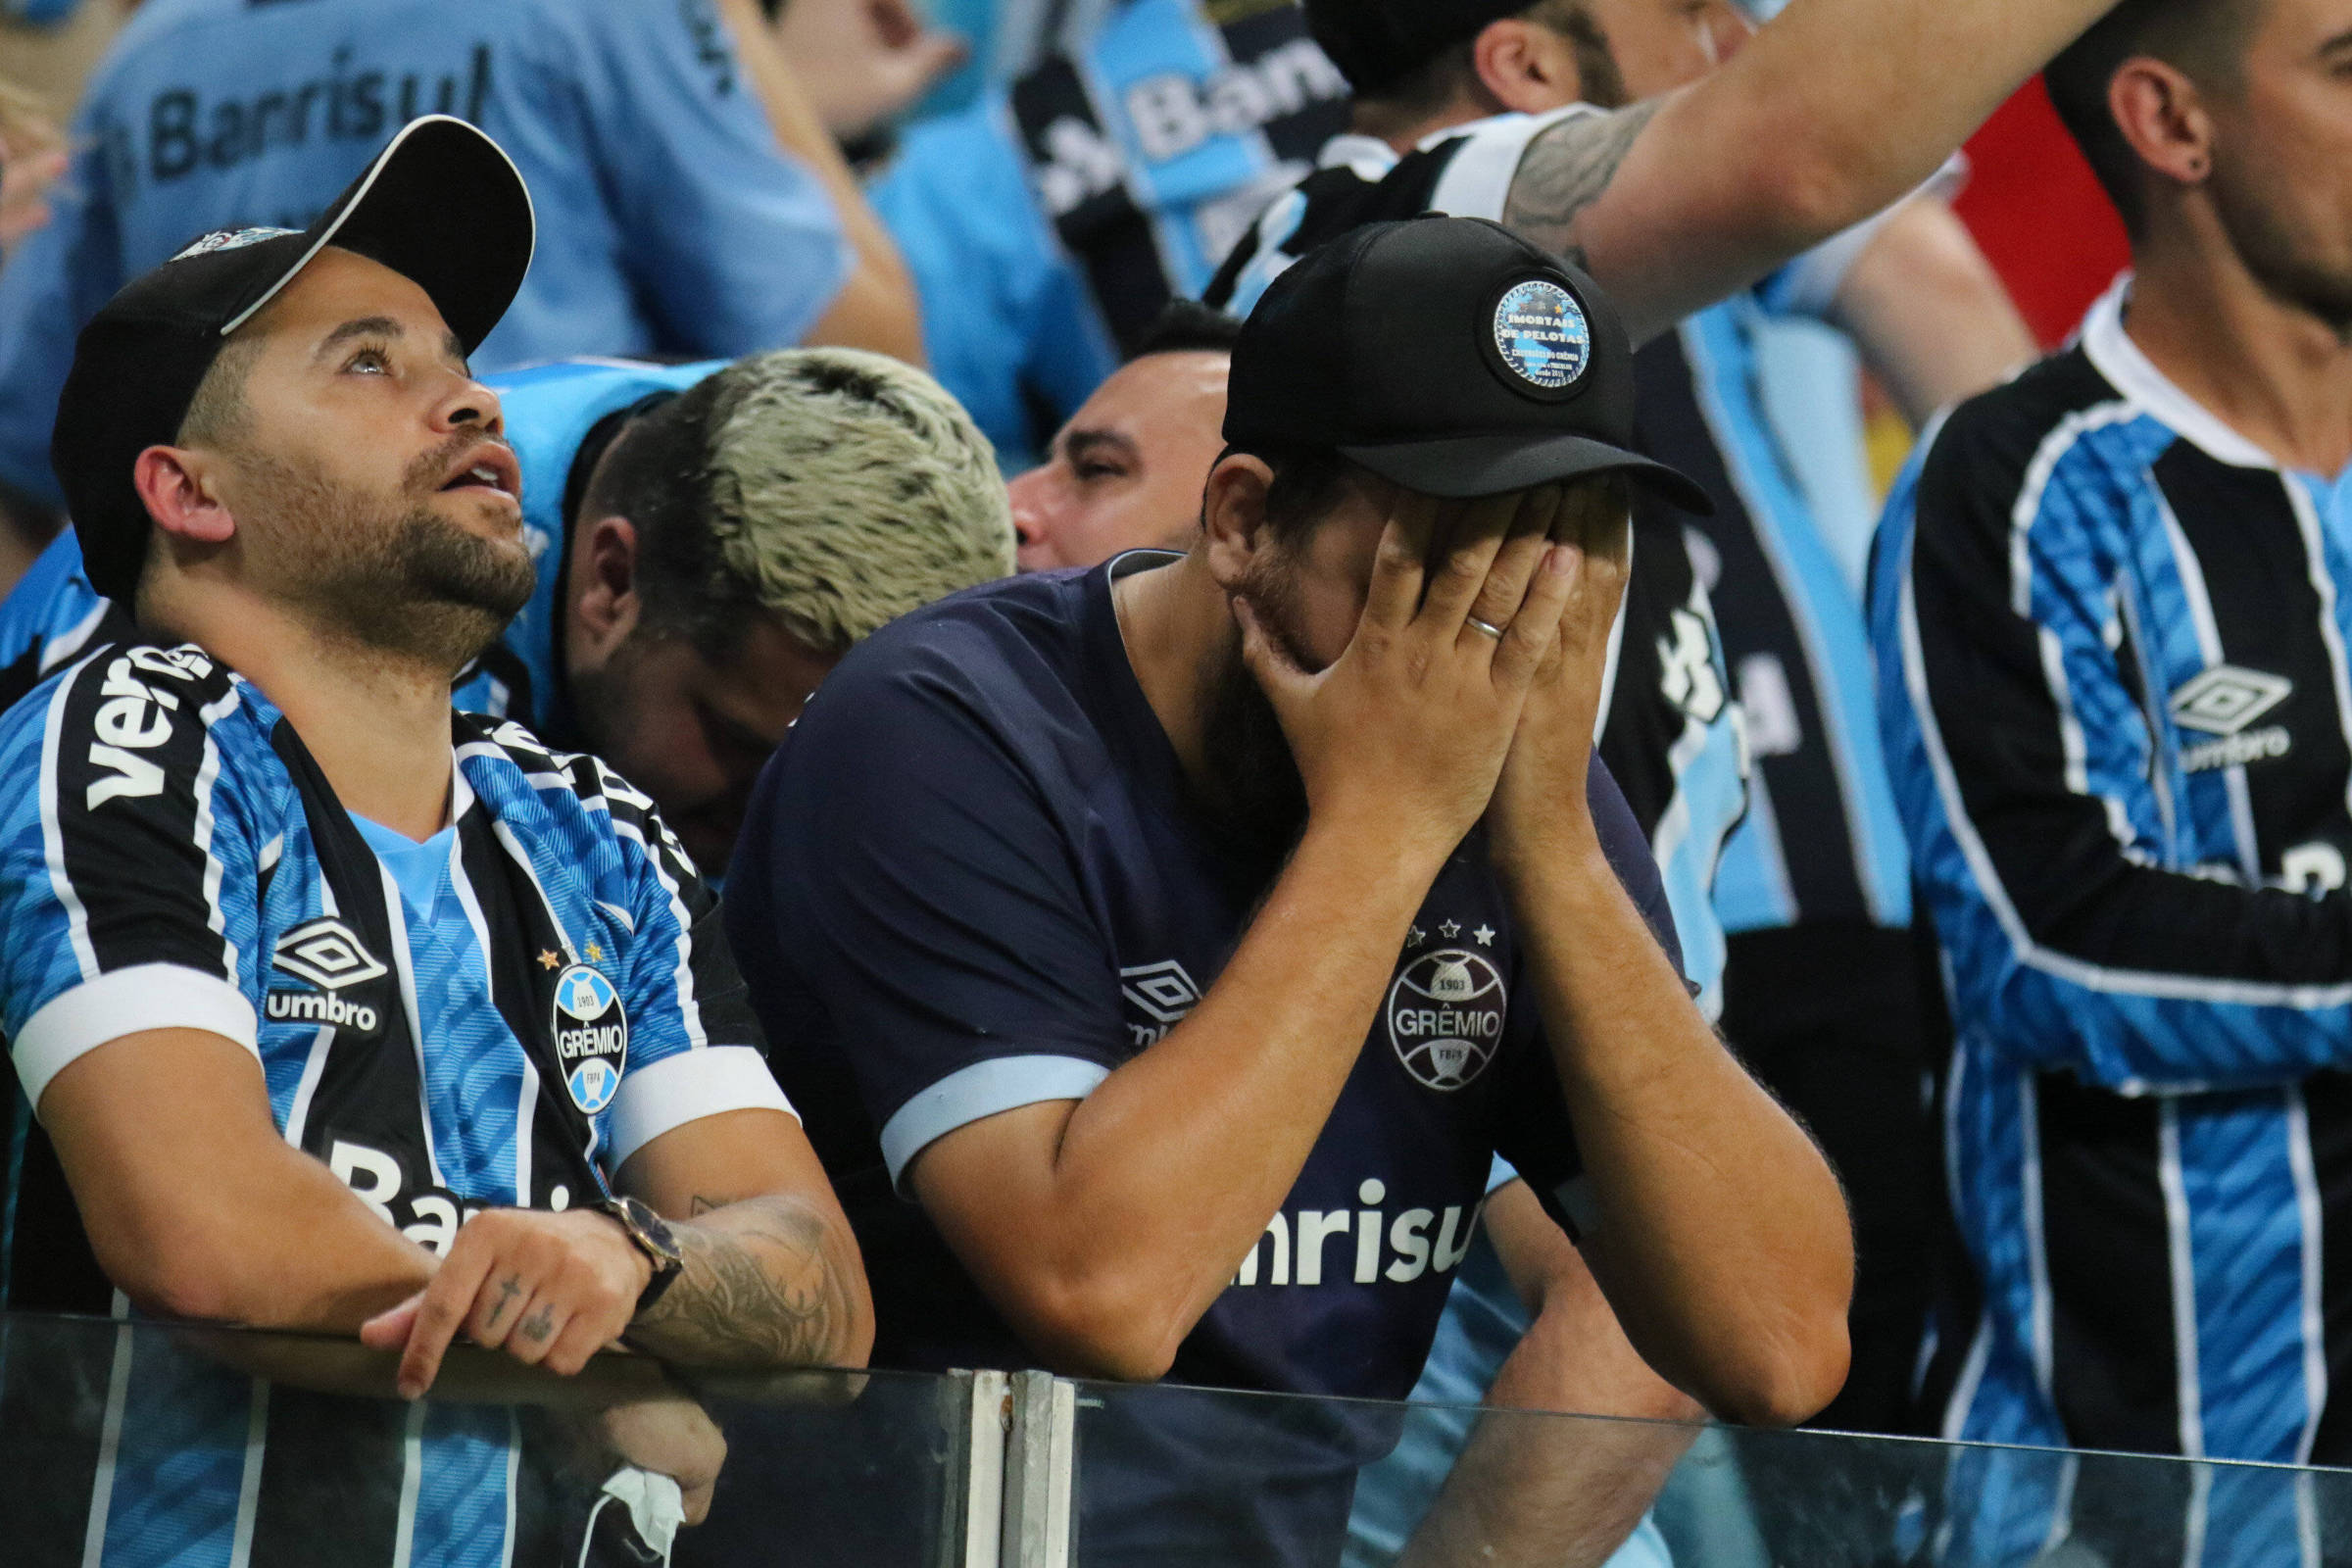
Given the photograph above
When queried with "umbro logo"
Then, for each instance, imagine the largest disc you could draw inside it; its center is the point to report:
(2226, 699)
(1163, 993)
(327, 954)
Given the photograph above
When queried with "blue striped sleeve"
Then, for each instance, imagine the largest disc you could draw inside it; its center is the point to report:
(2013, 604)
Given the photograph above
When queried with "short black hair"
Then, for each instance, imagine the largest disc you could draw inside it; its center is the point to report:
(2202, 37)
(1188, 326)
(1452, 71)
(657, 475)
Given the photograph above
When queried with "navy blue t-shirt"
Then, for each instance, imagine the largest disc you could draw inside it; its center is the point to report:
(971, 880)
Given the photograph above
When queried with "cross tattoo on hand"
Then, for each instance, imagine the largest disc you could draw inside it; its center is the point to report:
(507, 1290)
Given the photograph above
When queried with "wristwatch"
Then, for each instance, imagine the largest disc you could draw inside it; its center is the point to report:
(651, 1234)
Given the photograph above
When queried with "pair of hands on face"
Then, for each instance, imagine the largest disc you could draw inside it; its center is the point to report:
(1427, 722)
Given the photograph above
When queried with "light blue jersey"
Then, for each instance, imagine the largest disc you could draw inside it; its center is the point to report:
(669, 222)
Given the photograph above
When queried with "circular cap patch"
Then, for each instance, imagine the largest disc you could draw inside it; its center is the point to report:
(1543, 335)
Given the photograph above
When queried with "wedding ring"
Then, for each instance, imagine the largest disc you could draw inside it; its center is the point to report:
(1494, 632)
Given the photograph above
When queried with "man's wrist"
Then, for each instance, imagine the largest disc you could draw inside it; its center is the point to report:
(652, 1242)
(1561, 844)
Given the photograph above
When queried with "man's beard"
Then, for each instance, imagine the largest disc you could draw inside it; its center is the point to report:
(2279, 261)
(1255, 795)
(391, 575)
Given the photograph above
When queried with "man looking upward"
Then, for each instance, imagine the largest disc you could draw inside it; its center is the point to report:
(708, 541)
(1154, 925)
(444, 1021)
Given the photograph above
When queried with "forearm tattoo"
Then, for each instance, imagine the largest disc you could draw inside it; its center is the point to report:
(1565, 169)
(769, 1290)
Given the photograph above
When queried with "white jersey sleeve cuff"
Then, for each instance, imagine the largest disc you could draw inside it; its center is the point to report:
(663, 1096)
(1477, 183)
(1500, 1175)
(1809, 286)
(983, 1090)
(128, 1002)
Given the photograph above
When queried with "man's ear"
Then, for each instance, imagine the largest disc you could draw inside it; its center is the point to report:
(1232, 516)
(2163, 116)
(176, 485)
(606, 604)
(1525, 67)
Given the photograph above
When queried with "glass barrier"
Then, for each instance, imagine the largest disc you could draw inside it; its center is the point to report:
(149, 1445)
(146, 1446)
(1170, 1476)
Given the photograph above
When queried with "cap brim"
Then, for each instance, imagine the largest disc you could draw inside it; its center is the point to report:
(443, 206)
(1460, 467)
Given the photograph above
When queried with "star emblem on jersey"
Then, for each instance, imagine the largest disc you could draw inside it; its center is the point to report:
(1450, 929)
(1414, 936)
(327, 954)
(592, 1037)
(1543, 335)
(1485, 934)
(2226, 699)
(1444, 1016)
(548, 959)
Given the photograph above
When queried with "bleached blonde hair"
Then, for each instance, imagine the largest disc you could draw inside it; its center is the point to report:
(835, 489)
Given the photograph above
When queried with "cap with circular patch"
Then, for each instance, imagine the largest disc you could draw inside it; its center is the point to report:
(442, 205)
(1447, 355)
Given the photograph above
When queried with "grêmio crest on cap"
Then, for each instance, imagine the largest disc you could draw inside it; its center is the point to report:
(1542, 338)
(229, 240)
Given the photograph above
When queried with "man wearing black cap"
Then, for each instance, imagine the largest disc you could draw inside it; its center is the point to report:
(1185, 936)
(450, 1038)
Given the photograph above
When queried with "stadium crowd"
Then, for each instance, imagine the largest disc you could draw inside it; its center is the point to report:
(824, 683)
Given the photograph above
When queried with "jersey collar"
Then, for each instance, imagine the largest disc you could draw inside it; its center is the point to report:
(2127, 369)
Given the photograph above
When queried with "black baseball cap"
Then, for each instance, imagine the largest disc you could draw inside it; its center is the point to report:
(442, 205)
(1378, 43)
(1448, 356)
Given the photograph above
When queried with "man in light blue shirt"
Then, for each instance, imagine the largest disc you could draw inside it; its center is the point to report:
(671, 221)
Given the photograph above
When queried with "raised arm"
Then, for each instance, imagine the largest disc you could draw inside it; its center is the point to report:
(876, 308)
(1836, 110)
(1929, 313)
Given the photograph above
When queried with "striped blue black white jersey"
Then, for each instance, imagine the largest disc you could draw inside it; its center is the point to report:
(506, 1030)
(1669, 732)
(2113, 685)
(1822, 842)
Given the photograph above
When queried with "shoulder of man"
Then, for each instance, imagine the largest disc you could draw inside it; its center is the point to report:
(130, 721)
(1986, 451)
(586, 800)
